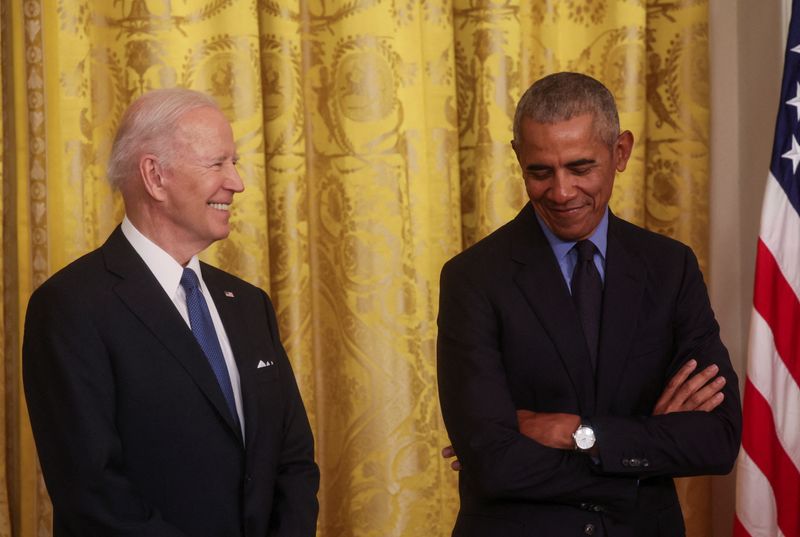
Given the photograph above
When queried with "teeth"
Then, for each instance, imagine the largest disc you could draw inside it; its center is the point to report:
(220, 206)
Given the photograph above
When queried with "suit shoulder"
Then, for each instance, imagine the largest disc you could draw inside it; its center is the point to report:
(231, 282)
(492, 247)
(78, 276)
(649, 243)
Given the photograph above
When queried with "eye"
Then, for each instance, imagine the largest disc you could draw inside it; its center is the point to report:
(539, 175)
(581, 170)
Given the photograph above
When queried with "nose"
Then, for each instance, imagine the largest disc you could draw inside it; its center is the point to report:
(563, 187)
(234, 181)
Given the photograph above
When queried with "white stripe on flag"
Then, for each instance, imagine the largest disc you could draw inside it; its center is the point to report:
(769, 375)
(763, 521)
(780, 226)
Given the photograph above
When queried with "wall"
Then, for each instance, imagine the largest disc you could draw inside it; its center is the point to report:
(746, 55)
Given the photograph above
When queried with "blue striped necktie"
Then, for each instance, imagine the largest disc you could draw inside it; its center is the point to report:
(203, 330)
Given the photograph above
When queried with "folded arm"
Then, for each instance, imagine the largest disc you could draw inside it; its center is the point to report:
(695, 424)
(481, 418)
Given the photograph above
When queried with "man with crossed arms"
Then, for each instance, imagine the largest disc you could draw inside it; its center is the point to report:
(568, 341)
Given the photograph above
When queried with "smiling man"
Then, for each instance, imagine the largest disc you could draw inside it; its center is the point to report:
(580, 367)
(161, 399)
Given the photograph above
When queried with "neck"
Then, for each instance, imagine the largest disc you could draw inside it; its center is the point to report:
(162, 235)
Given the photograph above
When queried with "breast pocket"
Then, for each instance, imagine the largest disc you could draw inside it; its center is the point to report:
(266, 370)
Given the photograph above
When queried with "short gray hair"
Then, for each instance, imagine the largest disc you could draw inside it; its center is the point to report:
(562, 96)
(147, 126)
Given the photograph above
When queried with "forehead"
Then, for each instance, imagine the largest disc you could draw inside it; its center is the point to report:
(575, 132)
(206, 123)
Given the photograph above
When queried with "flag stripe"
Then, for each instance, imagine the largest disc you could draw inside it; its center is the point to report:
(780, 225)
(769, 376)
(738, 529)
(768, 478)
(774, 299)
(761, 522)
(760, 441)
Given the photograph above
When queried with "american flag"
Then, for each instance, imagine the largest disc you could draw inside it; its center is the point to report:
(768, 470)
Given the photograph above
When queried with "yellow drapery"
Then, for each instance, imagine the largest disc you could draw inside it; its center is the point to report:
(374, 142)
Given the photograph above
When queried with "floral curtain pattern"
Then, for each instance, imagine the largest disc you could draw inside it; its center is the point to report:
(374, 140)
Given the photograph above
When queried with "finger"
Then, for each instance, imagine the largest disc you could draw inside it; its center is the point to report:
(712, 403)
(674, 383)
(691, 386)
(456, 465)
(699, 398)
(448, 452)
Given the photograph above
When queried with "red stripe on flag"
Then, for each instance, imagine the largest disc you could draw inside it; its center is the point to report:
(760, 441)
(738, 529)
(775, 301)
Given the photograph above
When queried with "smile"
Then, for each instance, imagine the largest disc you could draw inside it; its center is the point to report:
(220, 206)
(566, 210)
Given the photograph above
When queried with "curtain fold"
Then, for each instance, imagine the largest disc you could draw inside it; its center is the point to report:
(374, 140)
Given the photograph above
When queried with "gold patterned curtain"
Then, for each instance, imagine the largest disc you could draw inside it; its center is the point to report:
(374, 137)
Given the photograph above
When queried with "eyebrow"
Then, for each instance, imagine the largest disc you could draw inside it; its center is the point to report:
(572, 164)
(581, 162)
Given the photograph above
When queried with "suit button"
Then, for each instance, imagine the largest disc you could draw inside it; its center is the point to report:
(635, 463)
(584, 506)
(597, 508)
(588, 529)
(247, 478)
(625, 462)
(645, 463)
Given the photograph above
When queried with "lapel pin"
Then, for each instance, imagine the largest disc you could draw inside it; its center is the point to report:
(229, 294)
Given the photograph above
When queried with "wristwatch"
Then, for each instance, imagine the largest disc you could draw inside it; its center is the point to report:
(584, 437)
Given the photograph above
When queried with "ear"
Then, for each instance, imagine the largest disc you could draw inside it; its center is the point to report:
(152, 174)
(622, 149)
(515, 147)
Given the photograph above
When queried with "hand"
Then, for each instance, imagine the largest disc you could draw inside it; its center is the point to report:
(447, 453)
(551, 429)
(696, 393)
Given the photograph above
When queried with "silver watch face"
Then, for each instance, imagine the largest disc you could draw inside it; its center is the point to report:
(584, 437)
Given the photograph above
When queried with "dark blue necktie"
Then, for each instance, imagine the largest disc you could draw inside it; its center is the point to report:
(203, 330)
(587, 293)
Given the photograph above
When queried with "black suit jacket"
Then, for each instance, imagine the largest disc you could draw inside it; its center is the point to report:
(132, 429)
(510, 338)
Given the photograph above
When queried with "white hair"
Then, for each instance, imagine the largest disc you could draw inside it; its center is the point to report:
(148, 126)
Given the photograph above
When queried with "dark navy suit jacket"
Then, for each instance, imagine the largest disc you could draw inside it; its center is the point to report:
(132, 430)
(510, 338)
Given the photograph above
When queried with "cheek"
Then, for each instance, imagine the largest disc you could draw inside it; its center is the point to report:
(600, 190)
(534, 189)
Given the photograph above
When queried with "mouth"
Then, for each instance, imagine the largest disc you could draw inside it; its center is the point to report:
(566, 210)
(219, 206)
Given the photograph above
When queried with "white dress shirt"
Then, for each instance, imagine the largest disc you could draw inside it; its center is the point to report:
(168, 272)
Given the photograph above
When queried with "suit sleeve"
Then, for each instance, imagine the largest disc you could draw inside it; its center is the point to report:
(69, 388)
(480, 415)
(681, 443)
(295, 509)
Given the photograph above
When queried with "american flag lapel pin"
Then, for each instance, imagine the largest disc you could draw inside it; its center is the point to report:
(229, 294)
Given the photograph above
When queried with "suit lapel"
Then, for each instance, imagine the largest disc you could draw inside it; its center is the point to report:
(142, 294)
(541, 282)
(232, 316)
(622, 297)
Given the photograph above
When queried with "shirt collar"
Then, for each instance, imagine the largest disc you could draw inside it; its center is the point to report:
(561, 247)
(167, 271)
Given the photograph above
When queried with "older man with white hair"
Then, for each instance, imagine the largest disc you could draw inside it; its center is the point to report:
(161, 399)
